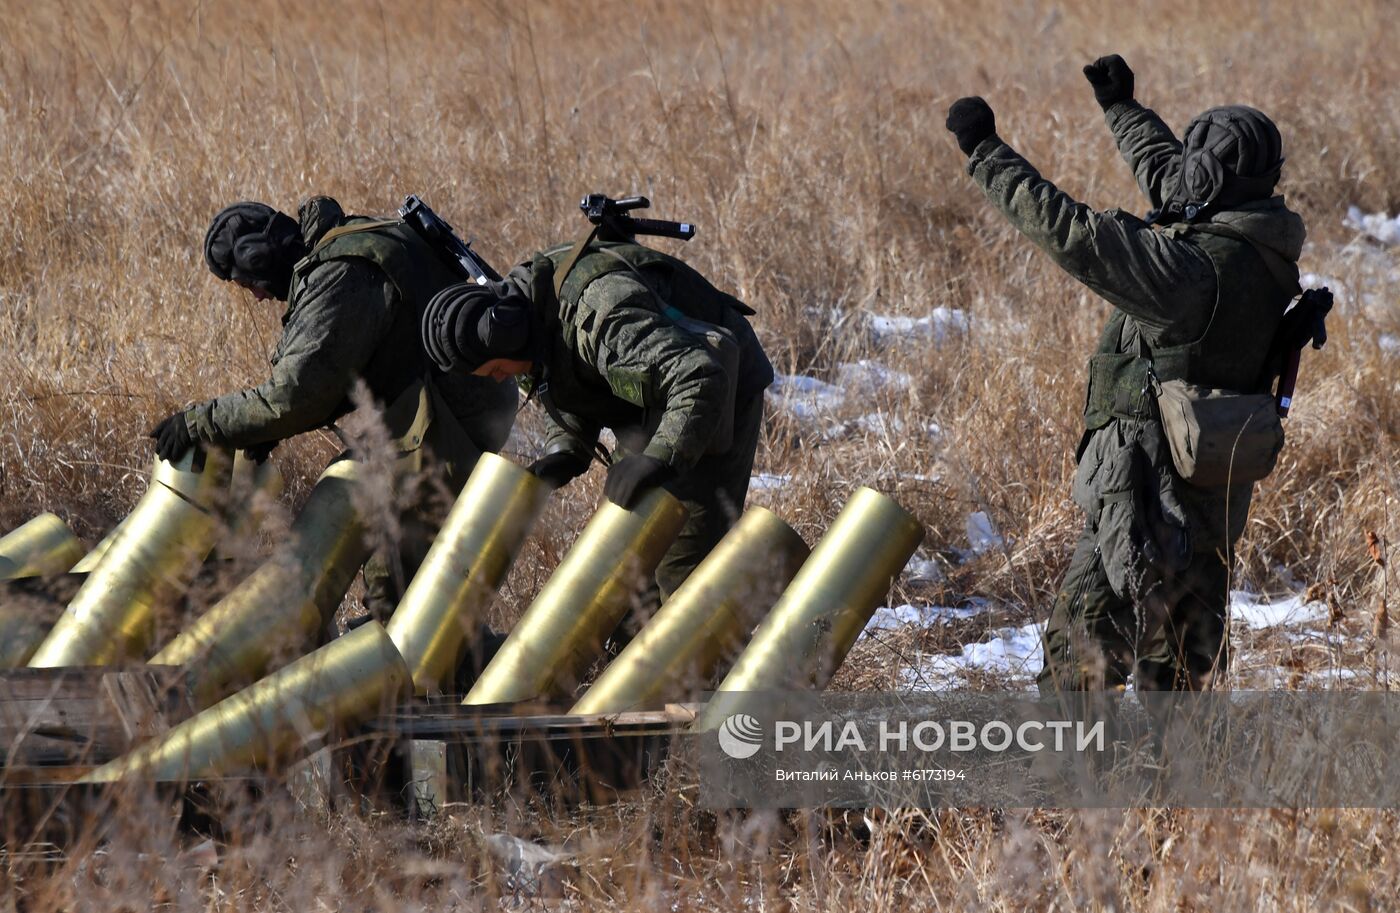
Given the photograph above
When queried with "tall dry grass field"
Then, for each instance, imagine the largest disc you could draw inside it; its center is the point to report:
(806, 141)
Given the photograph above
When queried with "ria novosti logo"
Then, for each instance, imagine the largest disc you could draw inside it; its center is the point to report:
(740, 736)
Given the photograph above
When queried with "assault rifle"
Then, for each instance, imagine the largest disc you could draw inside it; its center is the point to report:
(1304, 323)
(611, 217)
(440, 236)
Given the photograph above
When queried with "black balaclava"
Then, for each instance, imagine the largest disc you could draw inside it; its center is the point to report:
(1230, 155)
(255, 244)
(467, 325)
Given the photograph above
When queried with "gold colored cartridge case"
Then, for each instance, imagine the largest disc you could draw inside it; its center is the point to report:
(705, 622)
(348, 679)
(252, 484)
(822, 612)
(247, 481)
(563, 630)
(88, 563)
(168, 534)
(278, 608)
(43, 546)
(467, 563)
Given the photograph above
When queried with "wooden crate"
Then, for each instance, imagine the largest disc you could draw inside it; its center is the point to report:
(58, 723)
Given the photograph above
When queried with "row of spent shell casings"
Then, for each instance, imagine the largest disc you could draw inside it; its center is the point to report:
(259, 698)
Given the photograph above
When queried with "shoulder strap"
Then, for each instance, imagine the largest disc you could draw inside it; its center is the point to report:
(354, 228)
(567, 266)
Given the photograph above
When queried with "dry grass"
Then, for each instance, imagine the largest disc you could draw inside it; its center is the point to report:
(806, 141)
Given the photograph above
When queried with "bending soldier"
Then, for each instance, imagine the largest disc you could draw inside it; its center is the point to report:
(355, 290)
(1197, 296)
(611, 334)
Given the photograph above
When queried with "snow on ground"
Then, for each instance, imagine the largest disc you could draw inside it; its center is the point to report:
(806, 397)
(1377, 225)
(1257, 612)
(1390, 343)
(867, 377)
(768, 481)
(940, 324)
(982, 535)
(891, 617)
(1015, 654)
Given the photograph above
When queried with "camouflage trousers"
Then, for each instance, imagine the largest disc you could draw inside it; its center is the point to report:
(713, 492)
(1174, 637)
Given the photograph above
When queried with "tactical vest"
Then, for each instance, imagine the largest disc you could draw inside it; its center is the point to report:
(399, 361)
(689, 293)
(1230, 354)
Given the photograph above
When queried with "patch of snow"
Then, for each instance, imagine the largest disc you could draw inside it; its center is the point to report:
(1389, 343)
(806, 397)
(1258, 612)
(982, 535)
(1377, 225)
(938, 325)
(922, 570)
(768, 481)
(924, 616)
(1012, 652)
(867, 376)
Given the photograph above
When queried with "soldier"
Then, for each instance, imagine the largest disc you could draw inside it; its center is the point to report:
(609, 333)
(355, 290)
(1197, 293)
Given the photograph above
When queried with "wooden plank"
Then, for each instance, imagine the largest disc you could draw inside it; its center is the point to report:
(85, 715)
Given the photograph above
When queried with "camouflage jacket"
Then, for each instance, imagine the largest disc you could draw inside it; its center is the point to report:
(611, 357)
(1164, 284)
(347, 320)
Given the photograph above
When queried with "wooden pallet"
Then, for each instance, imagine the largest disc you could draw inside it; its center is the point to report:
(55, 723)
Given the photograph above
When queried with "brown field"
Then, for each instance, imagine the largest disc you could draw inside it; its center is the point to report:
(806, 141)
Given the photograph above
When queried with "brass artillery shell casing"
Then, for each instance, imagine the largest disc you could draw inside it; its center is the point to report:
(278, 608)
(247, 480)
(88, 563)
(705, 622)
(563, 630)
(468, 561)
(168, 534)
(348, 679)
(43, 546)
(821, 613)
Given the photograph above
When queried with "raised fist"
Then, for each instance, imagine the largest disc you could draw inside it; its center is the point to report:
(1111, 79)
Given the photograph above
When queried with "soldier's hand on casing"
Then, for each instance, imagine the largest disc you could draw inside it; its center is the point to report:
(970, 120)
(630, 477)
(172, 437)
(559, 469)
(1112, 80)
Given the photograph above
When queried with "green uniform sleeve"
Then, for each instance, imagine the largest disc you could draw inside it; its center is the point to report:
(340, 316)
(1164, 283)
(1149, 147)
(650, 362)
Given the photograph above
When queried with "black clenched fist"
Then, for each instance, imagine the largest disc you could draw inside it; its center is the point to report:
(1111, 79)
(971, 120)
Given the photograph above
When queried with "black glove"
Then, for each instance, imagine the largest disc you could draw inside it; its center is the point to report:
(259, 453)
(559, 469)
(631, 477)
(971, 121)
(172, 437)
(1111, 79)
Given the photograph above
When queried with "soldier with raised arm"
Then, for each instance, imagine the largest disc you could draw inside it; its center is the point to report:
(1197, 291)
